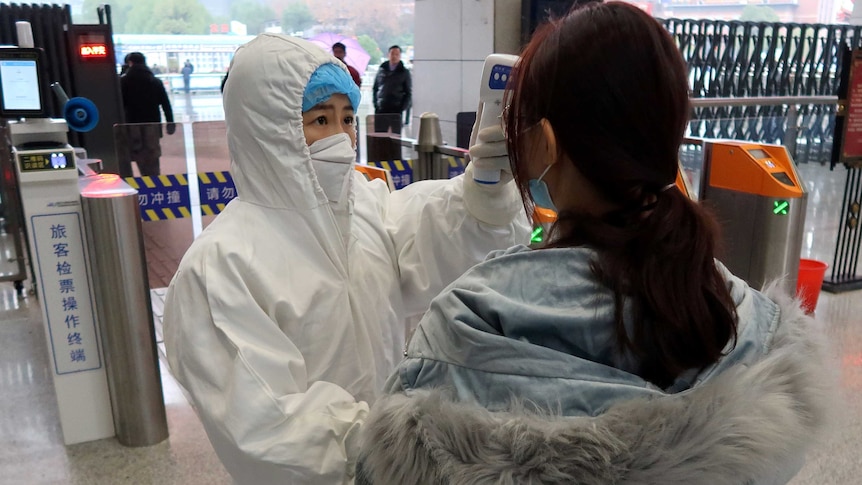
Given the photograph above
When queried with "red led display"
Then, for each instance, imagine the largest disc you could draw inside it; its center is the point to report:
(93, 51)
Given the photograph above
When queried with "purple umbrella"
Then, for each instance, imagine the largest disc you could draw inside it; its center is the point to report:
(356, 56)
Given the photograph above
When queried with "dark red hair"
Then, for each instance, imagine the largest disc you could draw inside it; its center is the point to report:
(613, 85)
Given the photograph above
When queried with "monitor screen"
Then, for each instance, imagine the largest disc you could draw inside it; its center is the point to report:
(20, 84)
(758, 153)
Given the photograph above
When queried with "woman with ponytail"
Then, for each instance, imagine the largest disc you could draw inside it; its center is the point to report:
(623, 351)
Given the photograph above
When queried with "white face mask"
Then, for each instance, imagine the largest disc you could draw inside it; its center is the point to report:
(333, 158)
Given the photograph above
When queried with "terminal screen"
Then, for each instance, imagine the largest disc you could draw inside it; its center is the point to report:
(19, 84)
(758, 153)
(783, 178)
(42, 161)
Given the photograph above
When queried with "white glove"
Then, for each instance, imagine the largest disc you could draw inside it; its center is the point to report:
(494, 204)
(491, 153)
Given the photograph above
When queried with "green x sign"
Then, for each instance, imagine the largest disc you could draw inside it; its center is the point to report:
(537, 236)
(780, 207)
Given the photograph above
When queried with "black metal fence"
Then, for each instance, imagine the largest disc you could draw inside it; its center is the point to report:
(750, 59)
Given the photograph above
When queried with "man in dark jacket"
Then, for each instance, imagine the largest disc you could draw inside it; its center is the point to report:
(392, 93)
(143, 93)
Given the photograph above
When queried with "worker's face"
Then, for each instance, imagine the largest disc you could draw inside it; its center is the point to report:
(331, 117)
(339, 53)
(394, 56)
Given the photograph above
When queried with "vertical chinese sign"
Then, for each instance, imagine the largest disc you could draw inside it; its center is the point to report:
(59, 244)
(851, 150)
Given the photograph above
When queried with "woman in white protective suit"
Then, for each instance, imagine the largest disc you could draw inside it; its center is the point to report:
(287, 313)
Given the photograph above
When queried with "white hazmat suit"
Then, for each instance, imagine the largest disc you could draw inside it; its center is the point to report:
(287, 314)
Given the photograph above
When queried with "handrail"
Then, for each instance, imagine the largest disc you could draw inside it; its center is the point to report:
(451, 151)
(792, 101)
(441, 149)
(762, 101)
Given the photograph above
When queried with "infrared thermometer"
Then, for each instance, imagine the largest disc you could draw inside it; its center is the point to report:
(495, 77)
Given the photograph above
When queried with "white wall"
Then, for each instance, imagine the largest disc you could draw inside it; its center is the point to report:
(452, 39)
(856, 15)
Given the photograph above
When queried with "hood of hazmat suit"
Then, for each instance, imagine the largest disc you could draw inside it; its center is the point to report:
(287, 314)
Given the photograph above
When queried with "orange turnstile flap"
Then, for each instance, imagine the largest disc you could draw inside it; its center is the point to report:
(755, 169)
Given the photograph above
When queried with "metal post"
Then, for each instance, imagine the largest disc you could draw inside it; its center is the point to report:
(12, 225)
(429, 138)
(125, 314)
(792, 131)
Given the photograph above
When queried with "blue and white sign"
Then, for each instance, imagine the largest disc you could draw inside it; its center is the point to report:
(162, 197)
(216, 190)
(62, 267)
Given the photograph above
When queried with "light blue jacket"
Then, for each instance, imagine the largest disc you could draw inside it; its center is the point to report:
(539, 326)
(512, 377)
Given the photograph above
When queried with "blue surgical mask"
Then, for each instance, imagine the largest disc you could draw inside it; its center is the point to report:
(539, 192)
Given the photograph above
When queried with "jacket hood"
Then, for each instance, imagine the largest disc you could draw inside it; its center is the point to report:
(270, 161)
(740, 426)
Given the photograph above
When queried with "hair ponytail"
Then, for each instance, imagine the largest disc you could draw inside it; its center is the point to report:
(662, 263)
(683, 316)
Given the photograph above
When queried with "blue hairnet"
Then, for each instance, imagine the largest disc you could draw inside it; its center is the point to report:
(327, 80)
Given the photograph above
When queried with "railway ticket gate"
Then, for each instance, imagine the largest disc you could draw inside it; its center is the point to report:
(759, 200)
(87, 261)
(48, 179)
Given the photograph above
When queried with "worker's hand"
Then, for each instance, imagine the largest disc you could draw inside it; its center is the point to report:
(171, 128)
(491, 153)
(495, 204)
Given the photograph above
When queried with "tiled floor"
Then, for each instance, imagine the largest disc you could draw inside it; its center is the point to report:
(31, 443)
(31, 449)
(165, 242)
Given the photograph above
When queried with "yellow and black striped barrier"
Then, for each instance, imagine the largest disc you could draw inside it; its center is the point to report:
(162, 197)
(402, 170)
(165, 197)
(394, 166)
(456, 165)
(216, 190)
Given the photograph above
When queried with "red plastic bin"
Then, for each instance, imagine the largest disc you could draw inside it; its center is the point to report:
(809, 282)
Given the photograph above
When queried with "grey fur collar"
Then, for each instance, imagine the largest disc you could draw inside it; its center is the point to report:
(739, 427)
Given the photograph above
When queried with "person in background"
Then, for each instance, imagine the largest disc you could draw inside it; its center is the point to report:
(187, 71)
(340, 51)
(143, 95)
(289, 311)
(622, 351)
(392, 93)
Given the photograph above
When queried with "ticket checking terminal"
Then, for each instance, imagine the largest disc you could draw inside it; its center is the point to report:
(760, 202)
(48, 178)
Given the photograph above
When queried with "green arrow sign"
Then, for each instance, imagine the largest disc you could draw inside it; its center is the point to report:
(780, 207)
